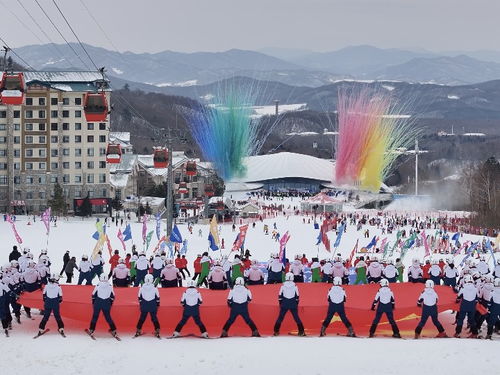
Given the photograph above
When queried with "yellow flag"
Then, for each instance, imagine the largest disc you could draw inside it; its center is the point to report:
(213, 231)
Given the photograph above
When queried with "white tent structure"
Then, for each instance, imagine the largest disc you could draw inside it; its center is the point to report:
(322, 203)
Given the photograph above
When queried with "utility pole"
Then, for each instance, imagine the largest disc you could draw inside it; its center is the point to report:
(416, 166)
(170, 186)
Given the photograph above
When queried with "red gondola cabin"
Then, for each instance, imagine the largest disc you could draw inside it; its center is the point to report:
(12, 89)
(113, 154)
(183, 188)
(191, 168)
(209, 190)
(95, 107)
(160, 157)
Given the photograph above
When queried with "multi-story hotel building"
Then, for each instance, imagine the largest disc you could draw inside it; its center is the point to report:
(47, 140)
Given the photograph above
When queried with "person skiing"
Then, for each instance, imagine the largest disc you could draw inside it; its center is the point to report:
(385, 303)
(450, 274)
(191, 300)
(336, 301)
(102, 300)
(149, 301)
(428, 301)
(236, 269)
(400, 267)
(14, 254)
(238, 300)
(197, 266)
(289, 302)
(85, 269)
(5, 297)
(494, 309)
(121, 275)
(52, 299)
(157, 264)
(338, 270)
(467, 297)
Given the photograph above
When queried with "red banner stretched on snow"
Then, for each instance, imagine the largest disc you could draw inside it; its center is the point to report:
(263, 309)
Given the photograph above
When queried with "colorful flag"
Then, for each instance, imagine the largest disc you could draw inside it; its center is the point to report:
(470, 251)
(426, 244)
(108, 242)
(353, 252)
(490, 248)
(46, 219)
(95, 236)
(175, 236)
(184, 249)
(213, 235)
(158, 224)
(372, 243)
(18, 237)
(127, 233)
(160, 242)
(121, 238)
(456, 238)
(283, 241)
(239, 242)
(339, 236)
(144, 227)
(148, 238)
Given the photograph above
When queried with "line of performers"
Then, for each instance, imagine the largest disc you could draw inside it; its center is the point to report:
(240, 296)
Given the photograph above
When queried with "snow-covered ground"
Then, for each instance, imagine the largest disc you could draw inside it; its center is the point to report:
(52, 354)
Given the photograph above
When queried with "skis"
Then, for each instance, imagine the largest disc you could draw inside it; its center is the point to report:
(41, 333)
(91, 334)
(62, 334)
(6, 333)
(188, 335)
(155, 334)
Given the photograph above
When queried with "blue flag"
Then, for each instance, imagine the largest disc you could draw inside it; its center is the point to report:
(372, 243)
(95, 236)
(319, 238)
(184, 248)
(127, 233)
(488, 246)
(213, 244)
(175, 236)
(339, 236)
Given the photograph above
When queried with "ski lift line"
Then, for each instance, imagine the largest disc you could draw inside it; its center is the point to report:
(51, 42)
(61, 34)
(15, 54)
(73, 31)
(99, 26)
(21, 22)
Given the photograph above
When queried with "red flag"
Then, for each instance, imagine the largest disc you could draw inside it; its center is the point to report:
(110, 249)
(324, 237)
(283, 240)
(120, 237)
(18, 237)
(240, 240)
(353, 252)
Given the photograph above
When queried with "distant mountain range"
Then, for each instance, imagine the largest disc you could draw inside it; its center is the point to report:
(294, 67)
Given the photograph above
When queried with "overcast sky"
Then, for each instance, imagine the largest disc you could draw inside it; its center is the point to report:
(217, 25)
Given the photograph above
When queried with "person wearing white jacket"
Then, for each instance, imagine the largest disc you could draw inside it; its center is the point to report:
(191, 300)
(238, 300)
(289, 302)
(336, 302)
(428, 301)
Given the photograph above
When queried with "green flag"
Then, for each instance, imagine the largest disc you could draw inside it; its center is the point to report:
(148, 238)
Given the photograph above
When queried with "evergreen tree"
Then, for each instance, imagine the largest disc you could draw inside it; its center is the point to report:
(141, 210)
(116, 204)
(86, 207)
(58, 203)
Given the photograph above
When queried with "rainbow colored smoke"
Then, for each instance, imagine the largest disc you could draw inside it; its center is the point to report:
(371, 130)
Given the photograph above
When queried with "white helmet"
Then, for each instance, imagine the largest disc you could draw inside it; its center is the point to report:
(170, 261)
(468, 279)
(31, 264)
(54, 278)
(85, 257)
(390, 261)
(429, 284)
(289, 276)
(239, 281)
(337, 281)
(191, 284)
(29, 256)
(44, 252)
(103, 277)
(142, 253)
(148, 279)
(489, 278)
(121, 261)
(14, 263)
(497, 281)
(384, 282)
(435, 261)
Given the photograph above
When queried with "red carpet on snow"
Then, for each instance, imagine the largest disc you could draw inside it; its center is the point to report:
(264, 309)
